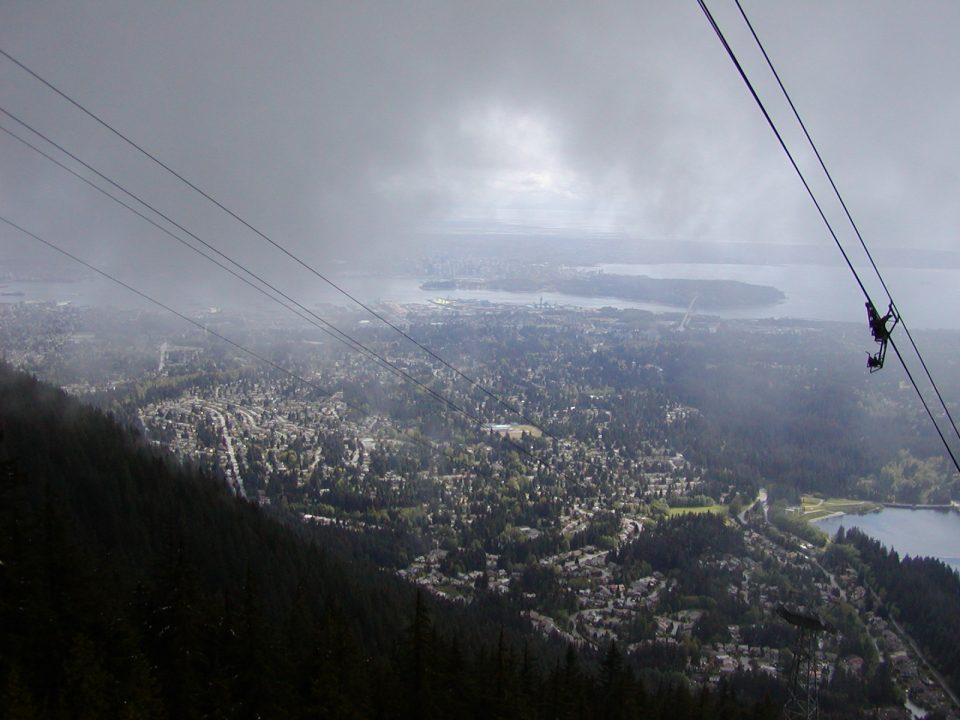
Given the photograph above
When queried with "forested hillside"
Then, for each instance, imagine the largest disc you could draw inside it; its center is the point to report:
(131, 586)
(922, 593)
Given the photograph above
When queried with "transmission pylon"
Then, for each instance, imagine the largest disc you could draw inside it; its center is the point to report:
(803, 690)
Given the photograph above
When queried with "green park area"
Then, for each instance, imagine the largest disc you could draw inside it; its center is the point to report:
(814, 508)
(716, 509)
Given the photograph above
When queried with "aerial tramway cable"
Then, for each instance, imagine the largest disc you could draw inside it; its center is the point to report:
(846, 210)
(314, 319)
(783, 144)
(186, 318)
(289, 373)
(494, 396)
(743, 75)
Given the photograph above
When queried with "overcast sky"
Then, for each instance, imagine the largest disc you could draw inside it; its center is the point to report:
(347, 129)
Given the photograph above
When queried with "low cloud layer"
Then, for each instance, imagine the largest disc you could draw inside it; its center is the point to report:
(346, 129)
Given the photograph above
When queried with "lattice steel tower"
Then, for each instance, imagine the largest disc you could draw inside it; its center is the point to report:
(803, 700)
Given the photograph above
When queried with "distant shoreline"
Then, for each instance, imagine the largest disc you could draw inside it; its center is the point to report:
(907, 506)
(892, 505)
(838, 513)
(674, 292)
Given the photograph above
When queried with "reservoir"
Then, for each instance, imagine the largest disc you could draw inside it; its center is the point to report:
(925, 533)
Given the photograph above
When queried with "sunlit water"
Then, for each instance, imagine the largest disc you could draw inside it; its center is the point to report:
(925, 533)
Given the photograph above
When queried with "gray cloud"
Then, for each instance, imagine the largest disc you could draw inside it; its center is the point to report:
(344, 129)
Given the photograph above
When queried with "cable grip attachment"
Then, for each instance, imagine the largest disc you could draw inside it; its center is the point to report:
(881, 333)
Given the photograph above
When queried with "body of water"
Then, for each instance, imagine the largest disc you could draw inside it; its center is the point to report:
(826, 292)
(925, 533)
(813, 292)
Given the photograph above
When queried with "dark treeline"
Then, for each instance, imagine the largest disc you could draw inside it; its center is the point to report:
(921, 593)
(134, 587)
(678, 547)
(678, 543)
(792, 409)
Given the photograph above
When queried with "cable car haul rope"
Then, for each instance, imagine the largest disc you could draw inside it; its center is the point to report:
(881, 326)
